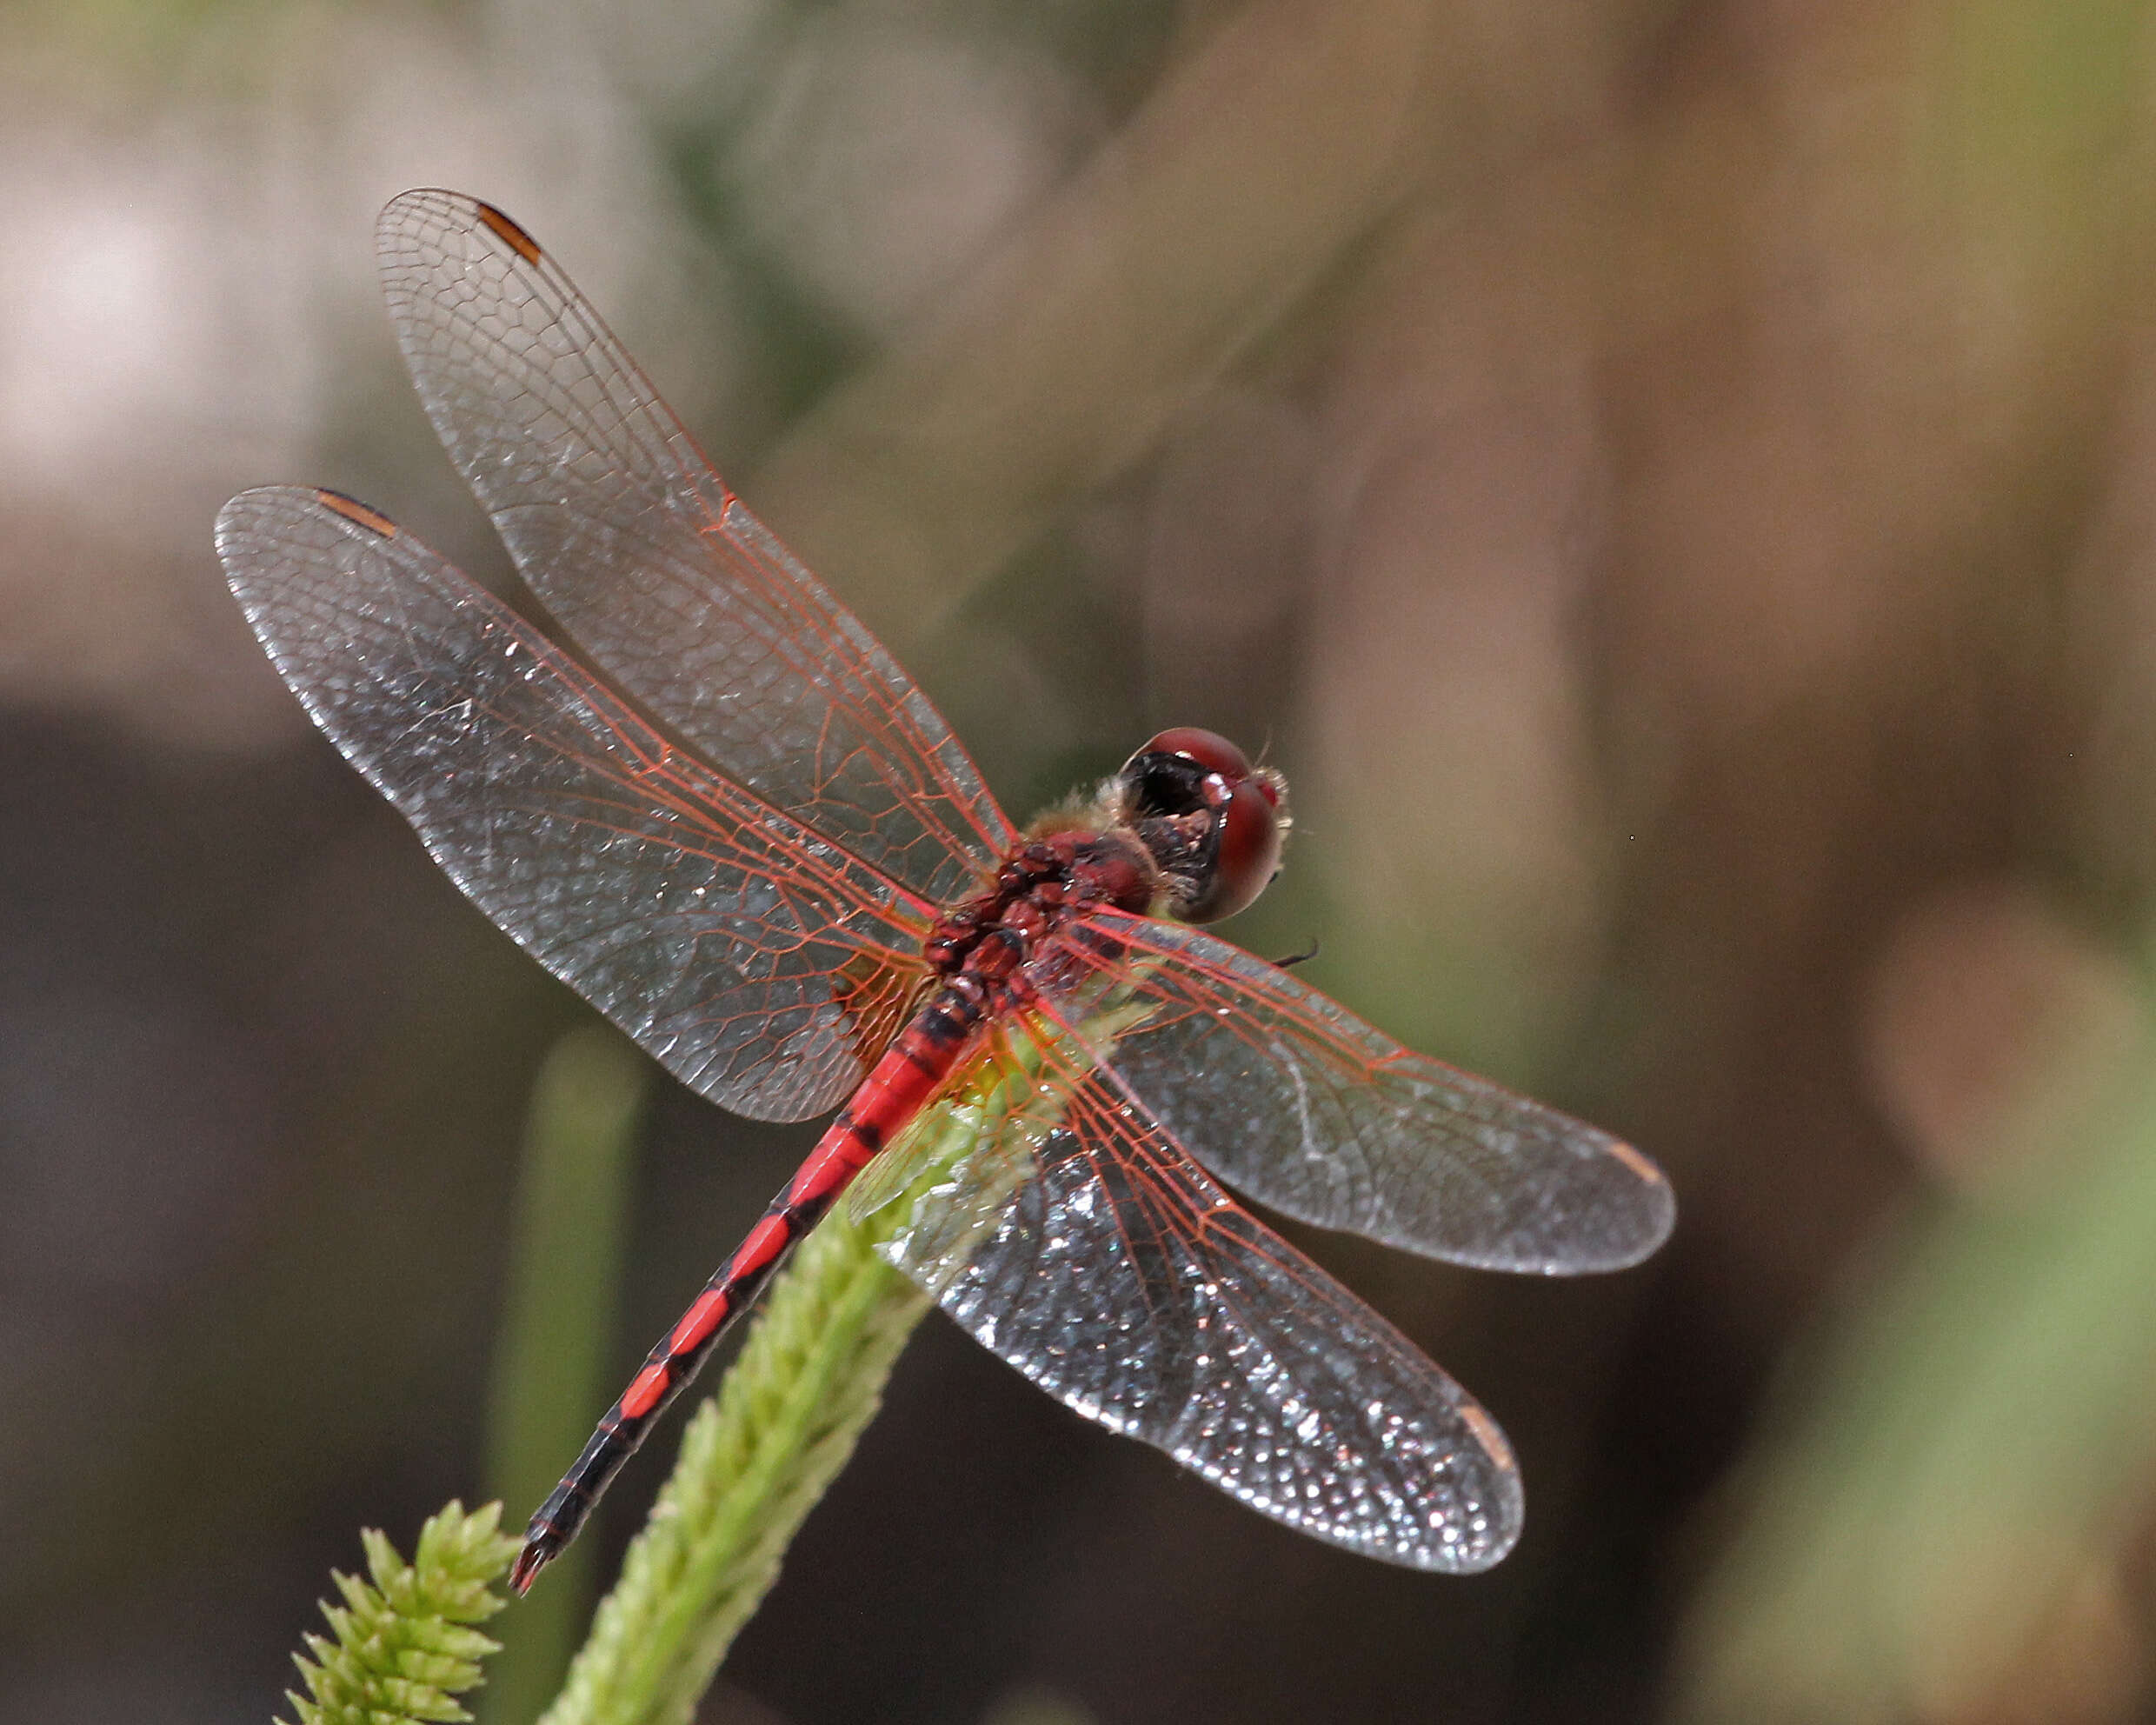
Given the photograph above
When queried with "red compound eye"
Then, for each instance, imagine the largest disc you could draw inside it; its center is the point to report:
(1248, 856)
(1186, 771)
(1209, 749)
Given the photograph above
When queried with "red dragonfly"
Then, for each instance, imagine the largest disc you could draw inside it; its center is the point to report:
(799, 895)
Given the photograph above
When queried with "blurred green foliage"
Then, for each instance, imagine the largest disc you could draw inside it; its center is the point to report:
(559, 1330)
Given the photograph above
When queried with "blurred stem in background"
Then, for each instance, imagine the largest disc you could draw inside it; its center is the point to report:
(1292, 132)
(1940, 1523)
(560, 1324)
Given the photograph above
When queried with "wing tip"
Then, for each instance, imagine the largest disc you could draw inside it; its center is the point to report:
(232, 518)
(244, 512)
(1659, 1200)
(405, 202)
(254, 535)
(1621, 1214)
(504, 227)
(1500, 1505)
(1473, 1558)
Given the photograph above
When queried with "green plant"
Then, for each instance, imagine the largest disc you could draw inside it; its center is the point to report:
(403, 1645)
(756, 1456)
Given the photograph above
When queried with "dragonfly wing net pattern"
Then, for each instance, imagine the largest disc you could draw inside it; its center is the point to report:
(619, 524)
(762, 967)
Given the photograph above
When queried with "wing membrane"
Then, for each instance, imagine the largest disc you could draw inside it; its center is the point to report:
(619, 524)
(1293, 1100)
(1122, 1280)
(760, 964)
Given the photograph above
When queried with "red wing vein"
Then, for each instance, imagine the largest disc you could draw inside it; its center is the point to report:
(1122, 1280)
(619, 524)
(1292, 1099)
(727, 940)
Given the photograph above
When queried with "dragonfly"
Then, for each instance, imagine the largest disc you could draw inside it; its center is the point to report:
(736, 825)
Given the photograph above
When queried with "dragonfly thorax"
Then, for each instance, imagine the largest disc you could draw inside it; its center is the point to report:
(1046, 882)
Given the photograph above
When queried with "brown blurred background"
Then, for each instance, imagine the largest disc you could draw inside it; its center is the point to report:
(1674, 485)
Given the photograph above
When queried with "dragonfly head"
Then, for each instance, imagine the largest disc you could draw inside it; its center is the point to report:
(1213, 821)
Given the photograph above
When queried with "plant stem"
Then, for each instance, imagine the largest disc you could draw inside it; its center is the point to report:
(759, 1453)
(755, 1460)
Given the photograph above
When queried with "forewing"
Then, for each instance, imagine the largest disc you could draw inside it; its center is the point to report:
(1295, 1102)
(763, 966)
(1113, 1273)
(619, 524)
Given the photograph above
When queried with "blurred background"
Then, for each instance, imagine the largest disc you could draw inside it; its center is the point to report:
(1674, 486)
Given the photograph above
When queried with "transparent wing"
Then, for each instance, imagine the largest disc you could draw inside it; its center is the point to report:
(619, 524)
(763, 966)
(1295, 1102)
(1113, 1273)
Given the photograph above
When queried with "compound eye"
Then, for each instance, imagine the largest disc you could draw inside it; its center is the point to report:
(1187, 771)
(1247, 854)
(1211, 752)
